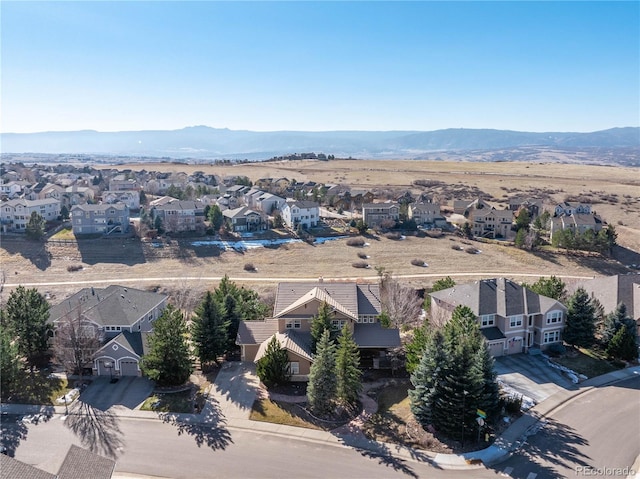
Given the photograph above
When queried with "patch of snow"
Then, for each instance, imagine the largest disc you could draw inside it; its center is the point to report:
(366, 244)
(527, 402)
(244, 245)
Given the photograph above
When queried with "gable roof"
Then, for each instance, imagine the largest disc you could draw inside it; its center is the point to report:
(136, 343)
(358, 299)
(497, 296)
(11, 468)
(111, 306)
(240, 212)
(317, 294)
(612, 290)
(80, 464)
(296, 342)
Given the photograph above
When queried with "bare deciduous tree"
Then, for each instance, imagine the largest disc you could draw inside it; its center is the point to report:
(401, 302)
(75, 342)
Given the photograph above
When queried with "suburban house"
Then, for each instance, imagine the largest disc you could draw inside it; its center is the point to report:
(120, 183)
(357, 305)
(577, 222)
(105, 219)
(613, 290)
(488, 222)
(128, 197)
(244, 219)
(512, 318)
(78, 195)
(51, 190)
(179, 216)
(15, 214)
(268, 203)
(569, 209)
(300, 213)
(122, 317)
(78, 463)
(426, 214)
(532, 205)
(373, 214)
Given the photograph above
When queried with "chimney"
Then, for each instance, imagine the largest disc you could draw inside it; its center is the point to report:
(320, 279)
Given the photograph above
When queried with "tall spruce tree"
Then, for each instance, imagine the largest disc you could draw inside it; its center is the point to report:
(614, 321)
(10, 364)
(579, 329)
(168, 361)
(26, 317)
(623, 345)
(320, 323)
(415, 348)
(348, 374)
(209, 330)
(321, 390)
(455, 378)
(273, 367)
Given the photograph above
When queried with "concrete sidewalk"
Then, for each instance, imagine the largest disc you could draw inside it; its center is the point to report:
(236, 387)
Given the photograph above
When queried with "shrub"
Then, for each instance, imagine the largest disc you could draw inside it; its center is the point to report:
(363, 256)
(355, 242)
(360, 264)
(472, 250)
(249, 267)
(74, 267)
(393, 236)
(512, 403)
(556, 349)
(418, 262)
(457, 247)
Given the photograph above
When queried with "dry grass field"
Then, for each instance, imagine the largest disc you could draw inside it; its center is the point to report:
(182, 265)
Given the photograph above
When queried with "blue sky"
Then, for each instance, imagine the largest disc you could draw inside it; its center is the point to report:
(112, 66)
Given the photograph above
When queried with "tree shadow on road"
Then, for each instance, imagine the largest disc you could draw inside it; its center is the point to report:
(352, 436)
(13, 432)
(558, 447)
(208, 428)
(98, 430)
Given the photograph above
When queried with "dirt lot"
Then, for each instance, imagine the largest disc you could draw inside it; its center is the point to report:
(183, 266)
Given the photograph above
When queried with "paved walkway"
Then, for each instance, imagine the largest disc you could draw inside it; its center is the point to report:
(236, 387)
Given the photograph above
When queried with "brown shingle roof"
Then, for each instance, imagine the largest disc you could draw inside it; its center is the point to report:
(11, 468)
(297, 343)
(81, 464)
(256, 332)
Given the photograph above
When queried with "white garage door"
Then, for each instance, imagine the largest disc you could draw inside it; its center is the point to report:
(128, 368)
(496, 349)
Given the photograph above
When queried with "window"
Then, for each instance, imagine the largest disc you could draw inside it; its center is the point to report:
(515, 320)
(294, 367)
(554, 317)
(367, 318)
(487, 320)
(293, 324)
(338, 324)
(552, 337)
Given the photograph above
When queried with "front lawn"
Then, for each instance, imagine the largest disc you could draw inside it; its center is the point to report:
(181, 402)
(64, 234)
(590, 362)
(37, 388)
(290, 414)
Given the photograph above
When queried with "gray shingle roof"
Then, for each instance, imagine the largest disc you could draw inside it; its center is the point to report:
(112, 306)
(373, 335)
(82, 464)
(256, 332)
(492, 333)
(497, 296)
(11, 468)
(297, 342)
(612, 290)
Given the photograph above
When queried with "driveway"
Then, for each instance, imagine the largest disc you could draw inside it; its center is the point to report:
(129, 392)
(234, 391)
(530, 375)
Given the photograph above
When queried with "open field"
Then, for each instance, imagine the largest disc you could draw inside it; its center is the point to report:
(180, 265)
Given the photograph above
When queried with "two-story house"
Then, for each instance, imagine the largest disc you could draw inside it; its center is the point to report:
(569, 208)
(244, 219)
(512, 318)
(374, 214)
(305, 214)
(121, 316)
(486, 221)
(15, 214)
(577, 222)
(131, 198)
(356, 305)
(105, 219)
(180, 216)
(426, 214)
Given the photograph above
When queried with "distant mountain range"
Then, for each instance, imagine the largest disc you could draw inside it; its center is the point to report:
(202, 142)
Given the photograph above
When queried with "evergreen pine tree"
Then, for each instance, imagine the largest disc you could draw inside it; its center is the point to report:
(10, 364)
(415, 348)
(320, 323)
(579, 328)
(168, 361)
(321, 390)
(348, 374)
(273, 367)
(623, 345)
(35, 227)
(209, 330)
(26, 318)
(613, 321)
(425, 376)
(232, 319)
